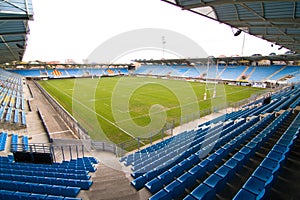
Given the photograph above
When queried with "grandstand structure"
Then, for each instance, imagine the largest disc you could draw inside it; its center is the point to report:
(249, 153)
(226, 69)
(70, 72)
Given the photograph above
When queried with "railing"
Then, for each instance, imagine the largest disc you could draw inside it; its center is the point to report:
(104, 146)
(59, 153)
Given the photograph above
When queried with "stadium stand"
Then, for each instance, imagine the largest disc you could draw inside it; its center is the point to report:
(68, 73)
(40, 181)
(262, 72)
(232, 72)
(226, 73)
(12, 100)
(220, 148)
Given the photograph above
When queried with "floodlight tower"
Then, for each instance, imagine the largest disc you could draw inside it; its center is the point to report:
(163, 41)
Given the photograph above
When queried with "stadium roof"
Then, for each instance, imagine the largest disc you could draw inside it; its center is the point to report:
(273, 20)
(14, 16)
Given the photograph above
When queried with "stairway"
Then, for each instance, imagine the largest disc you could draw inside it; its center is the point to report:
(240, 76)
(282, 68)
(110, 184)
(253, 70)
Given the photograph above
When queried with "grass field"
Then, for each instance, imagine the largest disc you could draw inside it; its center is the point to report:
(119, 108)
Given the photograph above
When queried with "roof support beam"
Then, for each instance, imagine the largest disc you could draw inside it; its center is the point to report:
(257, 14)
(294, 11)
(13, 33)
(281, 20)
(267, 25)
(223, 2)
(8, 47)
(14, 5)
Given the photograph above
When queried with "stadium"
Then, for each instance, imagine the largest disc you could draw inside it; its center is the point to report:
(213, 127)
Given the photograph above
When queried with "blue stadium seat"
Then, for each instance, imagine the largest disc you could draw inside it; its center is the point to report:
(51, 197)
(203, 191)
(216, 182)
(255, 186)
(187, 180)
(6, 194)
(161, 195)
(189, 197)
(16, 116)
(154, 185)
(262, 173)
(70, 191)
(197, 171)
(224, 172)
(139, 182)
(244, 194)
(20, 195)
(14, 142)
(175, 189)
(23, 118)
(37, 196)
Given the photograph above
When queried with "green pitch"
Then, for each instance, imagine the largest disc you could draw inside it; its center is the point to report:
(120, 108)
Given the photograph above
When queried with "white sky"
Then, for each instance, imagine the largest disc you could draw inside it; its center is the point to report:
(72, 29)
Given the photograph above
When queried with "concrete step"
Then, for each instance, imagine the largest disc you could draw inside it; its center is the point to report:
(110, 184)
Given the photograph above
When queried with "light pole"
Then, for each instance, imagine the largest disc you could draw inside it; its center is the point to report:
(163, 45)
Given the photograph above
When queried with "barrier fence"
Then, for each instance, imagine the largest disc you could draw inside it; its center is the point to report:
(80, 132)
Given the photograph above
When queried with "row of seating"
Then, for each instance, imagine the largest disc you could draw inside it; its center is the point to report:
(12, 101)
(188, 178)
(216, 181)
(11, 98)
(25, 143)
(14, 117)
(17, 147)
(66, 174)
(186, 138)
(292, 98)
(57, 190)
(6, 194)
(3, 138)
(23, 118)
(75, 166)
(38, 178)
(187, 142)
(14, 143)
(8, 115)
(208, 146)
(263, 178)
(40, 181)
(295, 103)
